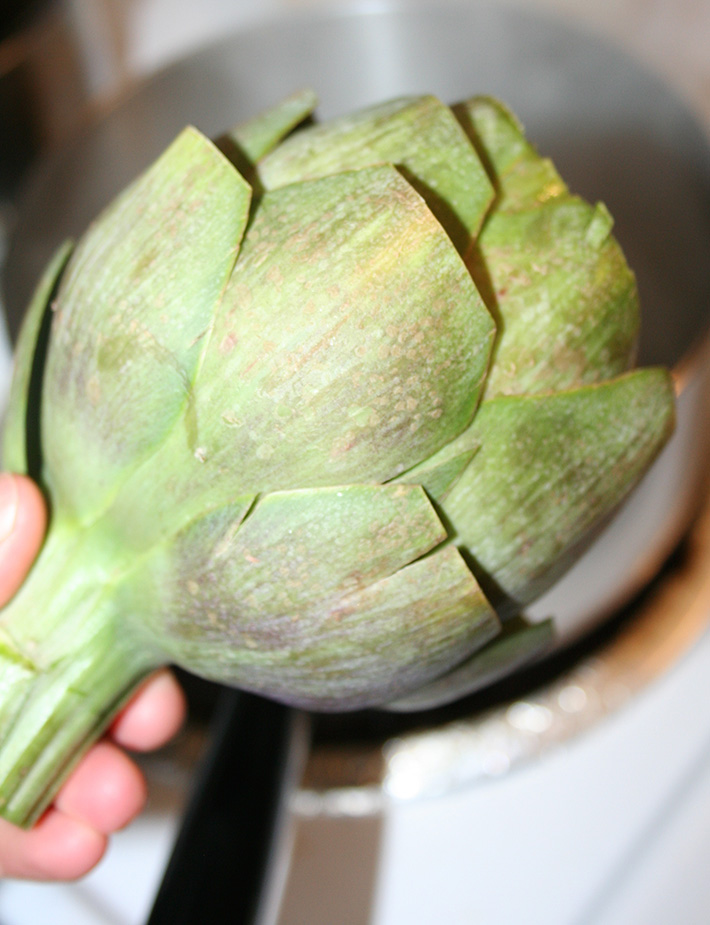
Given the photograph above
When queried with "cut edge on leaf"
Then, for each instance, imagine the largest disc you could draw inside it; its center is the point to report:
(246, 143)
(21, 439)
(518, 644)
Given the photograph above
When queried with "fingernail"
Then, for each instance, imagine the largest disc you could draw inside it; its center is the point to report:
(9, 504)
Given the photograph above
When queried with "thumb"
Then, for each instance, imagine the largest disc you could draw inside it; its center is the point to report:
(23, 520)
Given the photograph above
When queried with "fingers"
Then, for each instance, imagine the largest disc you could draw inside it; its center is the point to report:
(106, 790)
(23, 520)
(153, 715)
(104, 793)
(57, 848)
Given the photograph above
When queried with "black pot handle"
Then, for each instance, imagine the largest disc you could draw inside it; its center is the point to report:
(219, 867)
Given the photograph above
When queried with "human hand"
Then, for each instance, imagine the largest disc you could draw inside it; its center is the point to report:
(106, 790)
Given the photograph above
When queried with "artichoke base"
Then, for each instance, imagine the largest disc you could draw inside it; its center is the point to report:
(65, 670)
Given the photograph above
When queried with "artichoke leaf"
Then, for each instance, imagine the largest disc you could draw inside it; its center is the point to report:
(351, 342)
(438, 474)
(521, 177)
(420, 135)
(518, 644)
(554, 276)
(432, 606)
(260, 134)
(135, 301)
(550, 467)
(319, 596)
(15, 432)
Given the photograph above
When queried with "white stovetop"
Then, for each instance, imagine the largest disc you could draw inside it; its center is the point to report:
(612, 828)
(522, 849)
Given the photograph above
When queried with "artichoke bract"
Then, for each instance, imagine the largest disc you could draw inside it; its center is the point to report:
(318, 408)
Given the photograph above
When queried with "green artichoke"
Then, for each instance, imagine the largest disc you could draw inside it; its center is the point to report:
(318, 408)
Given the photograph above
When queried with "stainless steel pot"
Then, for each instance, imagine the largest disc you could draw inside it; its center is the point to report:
(615, 131)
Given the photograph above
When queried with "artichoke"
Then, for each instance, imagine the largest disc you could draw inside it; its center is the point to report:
(318, 408)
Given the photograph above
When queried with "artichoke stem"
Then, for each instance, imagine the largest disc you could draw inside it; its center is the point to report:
(58, 694)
